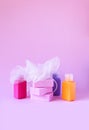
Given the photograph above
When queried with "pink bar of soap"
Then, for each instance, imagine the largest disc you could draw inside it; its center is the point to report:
(20, 89)
(40, 91)
(47, 97)
(44, 83)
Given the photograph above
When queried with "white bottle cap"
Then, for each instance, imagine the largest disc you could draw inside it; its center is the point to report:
(69, 77)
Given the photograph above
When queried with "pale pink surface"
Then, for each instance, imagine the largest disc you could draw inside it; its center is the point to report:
(39, 30)
(27, 114)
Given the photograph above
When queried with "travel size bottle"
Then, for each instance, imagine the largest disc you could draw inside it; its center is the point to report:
(20, 89)
(68, 88)
(57, 85)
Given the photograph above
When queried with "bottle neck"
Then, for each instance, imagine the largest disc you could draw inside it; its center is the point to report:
(69, 77)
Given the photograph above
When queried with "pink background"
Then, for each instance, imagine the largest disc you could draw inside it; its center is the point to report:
(39, 30)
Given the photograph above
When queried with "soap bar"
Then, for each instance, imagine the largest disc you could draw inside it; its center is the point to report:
(44, 83)
(40, 91)
(68, 90)
(57, 85)
(47, 97)
(20, 89)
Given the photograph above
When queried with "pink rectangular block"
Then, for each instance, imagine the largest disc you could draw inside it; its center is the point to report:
(47, 97)
(40, 91)
(44, 83)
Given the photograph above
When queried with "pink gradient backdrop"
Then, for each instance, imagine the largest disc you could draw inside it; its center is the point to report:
(40, 30)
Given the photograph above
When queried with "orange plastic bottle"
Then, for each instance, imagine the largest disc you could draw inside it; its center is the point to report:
(68, 88)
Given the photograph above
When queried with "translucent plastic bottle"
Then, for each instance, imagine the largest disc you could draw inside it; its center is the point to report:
(57, 85)
(68, 88)
(20, 89)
